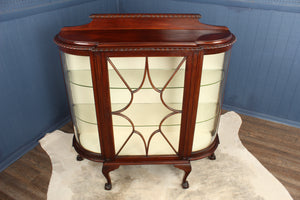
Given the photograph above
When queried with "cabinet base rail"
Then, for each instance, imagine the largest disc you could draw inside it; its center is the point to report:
(180, 163)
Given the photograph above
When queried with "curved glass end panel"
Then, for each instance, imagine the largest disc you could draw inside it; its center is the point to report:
(214, 72)
(78, 79)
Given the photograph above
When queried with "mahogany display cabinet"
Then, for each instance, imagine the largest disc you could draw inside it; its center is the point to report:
(145, 88)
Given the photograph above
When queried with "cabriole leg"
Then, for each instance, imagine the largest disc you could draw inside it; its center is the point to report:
(108, 167)
(79, 158)
(187, 168)
(212, 156)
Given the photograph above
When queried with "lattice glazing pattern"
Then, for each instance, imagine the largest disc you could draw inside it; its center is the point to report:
(146, 98)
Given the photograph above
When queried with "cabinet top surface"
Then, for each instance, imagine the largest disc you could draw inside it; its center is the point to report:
(145, 30)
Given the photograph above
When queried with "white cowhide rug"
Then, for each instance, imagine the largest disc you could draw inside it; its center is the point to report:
(235, 174)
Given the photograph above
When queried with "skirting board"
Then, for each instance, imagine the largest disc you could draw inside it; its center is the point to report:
(262, 116)
(27, 147)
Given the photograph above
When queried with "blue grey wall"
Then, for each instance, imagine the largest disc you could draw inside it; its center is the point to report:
(264, 72)
(32, 97)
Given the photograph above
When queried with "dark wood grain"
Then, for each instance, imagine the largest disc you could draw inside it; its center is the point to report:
(179, 27)
(276, 146)
(190, 103)
(102, 103)
(150, 30)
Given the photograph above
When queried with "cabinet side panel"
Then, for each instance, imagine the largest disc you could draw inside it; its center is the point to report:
(77, 71)
(210, 100)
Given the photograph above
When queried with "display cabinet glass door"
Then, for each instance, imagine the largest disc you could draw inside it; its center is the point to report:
(146, 99)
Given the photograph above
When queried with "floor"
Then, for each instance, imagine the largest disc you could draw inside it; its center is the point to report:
(276, 146)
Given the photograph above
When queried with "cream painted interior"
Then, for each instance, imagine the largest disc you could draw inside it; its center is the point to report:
(146, 110)
(81, 100)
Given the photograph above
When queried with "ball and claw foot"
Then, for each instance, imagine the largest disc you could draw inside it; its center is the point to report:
(185, 185)
(212, 157)
(107, 186)
(79, 158)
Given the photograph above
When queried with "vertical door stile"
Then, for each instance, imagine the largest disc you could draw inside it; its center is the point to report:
(102, 103)
(190, 103)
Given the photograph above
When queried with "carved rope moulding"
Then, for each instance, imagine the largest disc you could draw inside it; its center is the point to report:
(147, 16)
